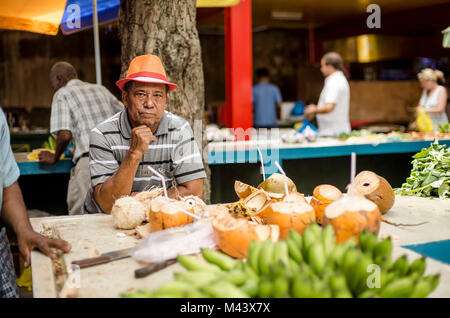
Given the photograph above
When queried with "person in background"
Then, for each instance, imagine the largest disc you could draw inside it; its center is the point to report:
(77, 107)
(332, 110)
(13, 214)
(266, 99)
(434, 96)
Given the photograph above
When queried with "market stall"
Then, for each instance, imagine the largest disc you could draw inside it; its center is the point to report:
(93, 234)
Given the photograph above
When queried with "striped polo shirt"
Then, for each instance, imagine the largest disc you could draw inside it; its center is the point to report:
(175, 154)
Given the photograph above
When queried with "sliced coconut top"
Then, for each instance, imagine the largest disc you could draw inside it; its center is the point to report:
(349, 204)
(275, 183)
(291, 207)
(228, 223)
(257, 200)
(295, 197)
(366, 182)
(329, 192)
(170, 206)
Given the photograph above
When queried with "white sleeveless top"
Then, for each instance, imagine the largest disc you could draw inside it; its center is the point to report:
(431, 101)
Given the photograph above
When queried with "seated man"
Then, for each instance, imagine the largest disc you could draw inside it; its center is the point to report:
(143, 134)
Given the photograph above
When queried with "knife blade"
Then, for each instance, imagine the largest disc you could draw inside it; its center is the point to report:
(105, 257)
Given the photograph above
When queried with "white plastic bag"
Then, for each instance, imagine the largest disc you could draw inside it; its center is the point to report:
(167, 244)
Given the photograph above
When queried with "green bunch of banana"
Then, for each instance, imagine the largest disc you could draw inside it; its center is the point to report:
(311, 265)
(50, 143)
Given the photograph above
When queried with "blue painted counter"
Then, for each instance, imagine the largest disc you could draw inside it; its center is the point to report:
(239, 153)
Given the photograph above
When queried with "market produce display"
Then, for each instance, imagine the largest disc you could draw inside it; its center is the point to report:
(49, 145)
(430, 175)
(311, 265)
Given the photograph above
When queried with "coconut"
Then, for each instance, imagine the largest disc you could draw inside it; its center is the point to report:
(234, 235)
(294, 197)
(275, 183)
(243, 190)
(143, 230)
(257, 201)
(351, 215)
(127, 213)
(165, 213)
(323, 195)
(295, 215)
(198, 204)
(375, 188)
(146, 197)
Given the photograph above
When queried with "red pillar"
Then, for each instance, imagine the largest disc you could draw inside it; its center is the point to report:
(238, 65)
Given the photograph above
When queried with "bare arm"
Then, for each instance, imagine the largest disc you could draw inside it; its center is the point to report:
(193, 187)
(121, 182)
(62, 141)
(442, 103)
(14, 214)
(312, 109)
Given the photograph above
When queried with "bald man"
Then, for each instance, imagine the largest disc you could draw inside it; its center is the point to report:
(77, 107)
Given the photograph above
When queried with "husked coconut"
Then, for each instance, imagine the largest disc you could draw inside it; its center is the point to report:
(166, 213)
(234, 235)
(275, 184)
(323, 195)
(127, 213)
(198, 204)
(351, 215)
(143, 230)
(295, 215)
(146, 197)
(375, 188)
(294, 197)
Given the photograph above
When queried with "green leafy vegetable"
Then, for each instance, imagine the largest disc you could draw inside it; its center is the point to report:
(430, 175)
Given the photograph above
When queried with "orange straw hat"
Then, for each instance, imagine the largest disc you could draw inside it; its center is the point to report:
(147, 69)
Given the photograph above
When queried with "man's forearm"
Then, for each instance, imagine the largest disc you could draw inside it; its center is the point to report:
(119, 184)
(62, 141)
(14, 212)
(327, 108)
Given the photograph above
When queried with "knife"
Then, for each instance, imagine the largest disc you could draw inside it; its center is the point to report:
(152, 268)
(105, 257)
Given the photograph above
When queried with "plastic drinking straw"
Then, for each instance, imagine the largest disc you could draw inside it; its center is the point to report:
(163, 180)
(285, 181)
(352, 171)
(262, 164)
(165, 194)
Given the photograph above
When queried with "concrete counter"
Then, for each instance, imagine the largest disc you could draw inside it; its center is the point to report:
(88, 232)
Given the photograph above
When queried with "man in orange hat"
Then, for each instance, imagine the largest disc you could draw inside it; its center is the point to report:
(143, 135)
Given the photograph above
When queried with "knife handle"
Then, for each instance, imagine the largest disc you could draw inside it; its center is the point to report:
(152, 268)
(88, 262)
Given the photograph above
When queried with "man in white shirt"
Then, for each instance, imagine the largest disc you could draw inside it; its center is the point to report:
(332, 111)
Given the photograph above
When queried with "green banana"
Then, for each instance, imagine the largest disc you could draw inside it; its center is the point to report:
(337, 255)
(177, 287)
(236, 277)
(254, 251)
(280, 288)
(308, 239)
(293, 234)
(433, 280)
(371, 241)
(138, 294)
(368, 294)
(46, 145)
(249, 272)
(400, 266)
(382, 252)
(316, 230)
(422, 289)
(195, 293)
(196, 278)
(328, 240)
(223, 289)
(193, 263)
(301, 287)
(265, 257)
(386, 278)
(418, 266)
(281, 253)
(220, 259)
(264, 288)
(294, 266)
(168, 295)
(320, 288)
(250, 287)
(338, 286)
(359, 282)
(52, 143)
(294, 251)
(399, 288)
(351, 258)
(317, 258)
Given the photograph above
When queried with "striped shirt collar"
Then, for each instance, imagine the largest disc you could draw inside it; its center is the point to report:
(125, 126)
